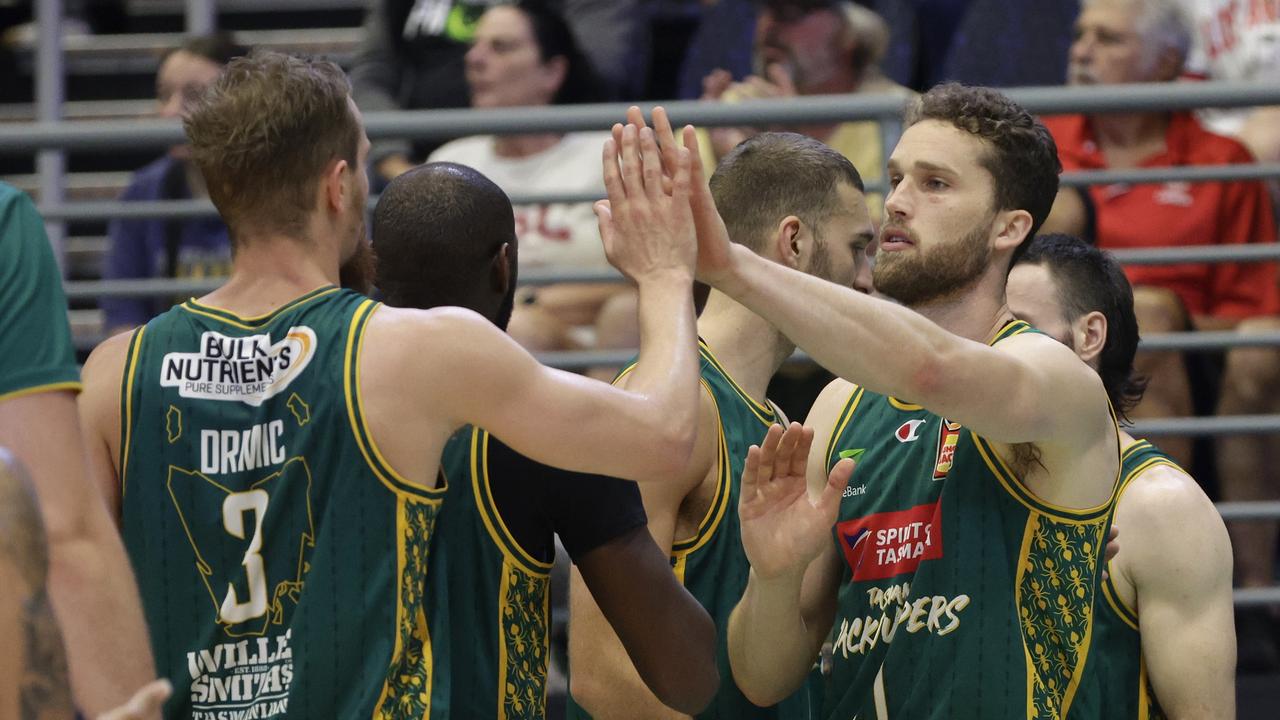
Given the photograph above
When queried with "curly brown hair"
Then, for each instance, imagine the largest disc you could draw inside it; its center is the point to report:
(1023, 157)
(263, 134)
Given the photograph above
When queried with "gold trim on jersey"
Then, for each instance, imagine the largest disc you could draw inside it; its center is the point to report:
(73, 385)
(719, 502)
(1118, 605)
(1122, 609)
(254, 322)
(1014, 486)
(481, 484)
(842, 421)
(1054, 594)
(764, 412)
(524, 613)
(126, 389)
(406, 692)
(904, 406)
(386, 474)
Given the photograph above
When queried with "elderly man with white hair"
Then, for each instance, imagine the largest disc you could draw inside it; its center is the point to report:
(1126, 41)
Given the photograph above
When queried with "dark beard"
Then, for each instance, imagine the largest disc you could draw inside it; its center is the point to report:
(357, 273)
(924, 277)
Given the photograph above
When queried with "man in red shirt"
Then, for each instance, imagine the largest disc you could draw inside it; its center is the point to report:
(1119, 42)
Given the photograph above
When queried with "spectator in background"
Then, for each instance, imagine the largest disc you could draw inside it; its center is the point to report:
(412, 57)
(1124, 41)
(811, 47)
(1001, 43)
(1238, 41)
(523, 55)
(169, 247)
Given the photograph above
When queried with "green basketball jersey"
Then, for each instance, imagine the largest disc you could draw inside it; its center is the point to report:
(1117, 647)
(962, 594)
(712, 564)
(493, 616)
(280, 560)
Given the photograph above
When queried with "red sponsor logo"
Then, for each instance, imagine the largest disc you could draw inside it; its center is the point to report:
(948, 438)
(889, 544)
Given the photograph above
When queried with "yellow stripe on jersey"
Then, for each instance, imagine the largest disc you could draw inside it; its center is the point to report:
(387, 475)
(256, 321)
(720, 501)
(764, 412)
(488, 508)
(72, 385)
(842, 421)
(126, 385)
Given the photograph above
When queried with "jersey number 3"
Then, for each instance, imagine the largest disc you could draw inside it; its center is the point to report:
(234, 509)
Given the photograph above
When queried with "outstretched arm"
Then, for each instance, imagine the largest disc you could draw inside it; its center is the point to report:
(469, 372)
(1025, 390)
(775, 632)
(668, 637)
(604, 676)
(1178, 556)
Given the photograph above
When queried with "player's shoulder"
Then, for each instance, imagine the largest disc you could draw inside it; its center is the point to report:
(413, 338)
(108, 358)
(1163, 495)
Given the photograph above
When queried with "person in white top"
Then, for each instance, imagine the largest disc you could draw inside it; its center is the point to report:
(1238, 40)
(524, 55)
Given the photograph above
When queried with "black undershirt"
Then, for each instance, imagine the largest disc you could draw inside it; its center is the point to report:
(537, 501)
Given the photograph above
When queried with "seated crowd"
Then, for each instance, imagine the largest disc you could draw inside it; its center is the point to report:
(816, 199)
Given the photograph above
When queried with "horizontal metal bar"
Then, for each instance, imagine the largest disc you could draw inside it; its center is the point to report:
(1182, 173)
(1198, 253)
(1255, 510)
(1208, 426)
(440, 124)
(150, 287)
(1252, 597)
(1209, 340)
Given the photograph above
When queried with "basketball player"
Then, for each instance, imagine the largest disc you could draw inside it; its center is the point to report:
(444, 235)
(962, 575)
(1164, 635)
(273, 447)
(795, 202)
(91, 586)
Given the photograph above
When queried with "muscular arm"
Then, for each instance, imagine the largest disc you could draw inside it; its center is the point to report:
(90, 580)
(1027, 389)
(668, 637)
(605, 677)
(33, 664)
(777, 629)
(1178, 557)
(470, 372)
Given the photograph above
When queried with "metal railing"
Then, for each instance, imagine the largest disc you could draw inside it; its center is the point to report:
(50, 138)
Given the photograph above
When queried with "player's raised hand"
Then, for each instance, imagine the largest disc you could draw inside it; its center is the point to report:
(783, 529)
(714, 257)
(647, 230)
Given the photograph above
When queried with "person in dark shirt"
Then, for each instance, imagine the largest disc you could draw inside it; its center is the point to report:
(168, 247)
(444, 235)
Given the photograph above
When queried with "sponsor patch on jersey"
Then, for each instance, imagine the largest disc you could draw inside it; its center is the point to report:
(247, 369)
(888, 544)
(909, 431)
(948, 438)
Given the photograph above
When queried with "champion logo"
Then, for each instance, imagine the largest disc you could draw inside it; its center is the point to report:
(909, 431)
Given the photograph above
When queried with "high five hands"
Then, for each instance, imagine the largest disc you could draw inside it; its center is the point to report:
(784, 528)
(650, 175)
